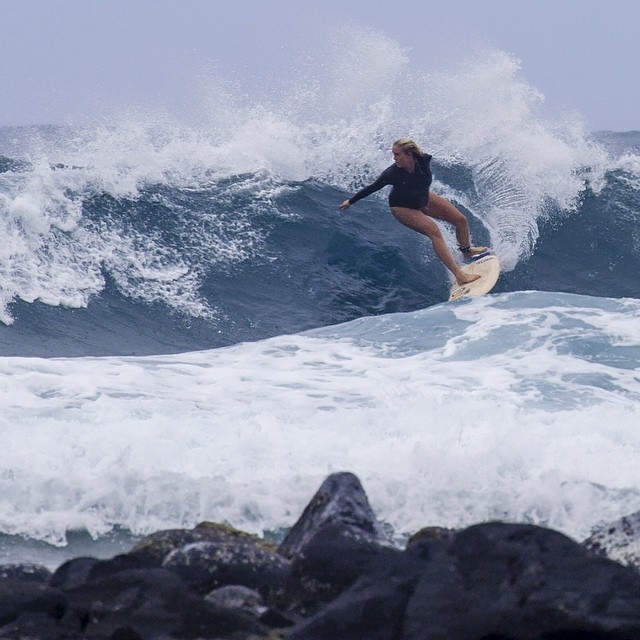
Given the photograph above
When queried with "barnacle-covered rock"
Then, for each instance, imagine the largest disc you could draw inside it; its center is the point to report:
(230, 557)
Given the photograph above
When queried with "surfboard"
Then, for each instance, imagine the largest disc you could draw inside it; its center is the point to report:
(487, 266)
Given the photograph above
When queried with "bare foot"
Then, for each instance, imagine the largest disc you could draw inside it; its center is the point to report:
(466, 278)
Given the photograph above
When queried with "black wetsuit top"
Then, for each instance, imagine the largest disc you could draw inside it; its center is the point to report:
(409, 190)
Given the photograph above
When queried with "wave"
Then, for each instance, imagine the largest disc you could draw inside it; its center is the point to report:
(226, 229)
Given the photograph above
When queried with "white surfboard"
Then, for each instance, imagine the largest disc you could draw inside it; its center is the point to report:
(487, 266)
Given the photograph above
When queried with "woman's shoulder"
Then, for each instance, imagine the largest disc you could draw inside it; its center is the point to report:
(389, 172)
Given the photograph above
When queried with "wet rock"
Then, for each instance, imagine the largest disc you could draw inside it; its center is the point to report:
(619, 540)
(154, 548)
(339, 500)
(231, 559)
(118, 564)
(335, 540)
(238, 597)
(520, 581)
(492, 580)
(372, 608)
(250, 601)
(431, 533)
(332, 560)
(40, 626)
(73, 573)
(26, 596)
(151, 604)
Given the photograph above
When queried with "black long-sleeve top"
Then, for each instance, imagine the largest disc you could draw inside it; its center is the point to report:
(409, 190)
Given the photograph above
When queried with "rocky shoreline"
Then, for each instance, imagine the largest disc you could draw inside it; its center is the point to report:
(336, 576)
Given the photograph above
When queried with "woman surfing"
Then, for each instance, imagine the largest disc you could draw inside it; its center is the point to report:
(414, 206)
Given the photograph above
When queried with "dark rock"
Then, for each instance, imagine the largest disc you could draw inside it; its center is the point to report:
(26, 596)
(520, 582)
(498, 581)
(340, 500)
(157, 546)
(619, 541)
(125, 633)
(72, 573)
(431, 533)
(250, 601)
(154, 548)
(118, 564)
(372, 608)
(332, 560)
(336, 540)
(40, 626)
(238, 597)
(276, 619)
(150, 604)
(230, 560)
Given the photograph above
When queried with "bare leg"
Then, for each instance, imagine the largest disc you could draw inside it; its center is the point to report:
(442, 209)
(421, 223)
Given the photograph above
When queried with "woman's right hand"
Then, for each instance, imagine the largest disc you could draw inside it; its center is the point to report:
(345, 205)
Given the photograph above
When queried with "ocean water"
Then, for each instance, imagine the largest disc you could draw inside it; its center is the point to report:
(191, 331)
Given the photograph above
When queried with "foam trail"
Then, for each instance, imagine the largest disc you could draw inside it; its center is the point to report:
(488, 118)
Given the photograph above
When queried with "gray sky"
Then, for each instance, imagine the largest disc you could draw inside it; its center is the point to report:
(69, 60)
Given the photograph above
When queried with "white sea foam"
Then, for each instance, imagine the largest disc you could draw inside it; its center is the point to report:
(519, 406)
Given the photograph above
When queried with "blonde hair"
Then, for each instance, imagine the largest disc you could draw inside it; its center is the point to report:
(409, 146)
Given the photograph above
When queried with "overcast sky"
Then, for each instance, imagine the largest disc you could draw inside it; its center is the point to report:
(64, 60)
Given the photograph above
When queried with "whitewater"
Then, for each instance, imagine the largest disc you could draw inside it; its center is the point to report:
(191, 330)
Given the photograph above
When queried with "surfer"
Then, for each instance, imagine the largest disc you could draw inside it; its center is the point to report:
(412, 204)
